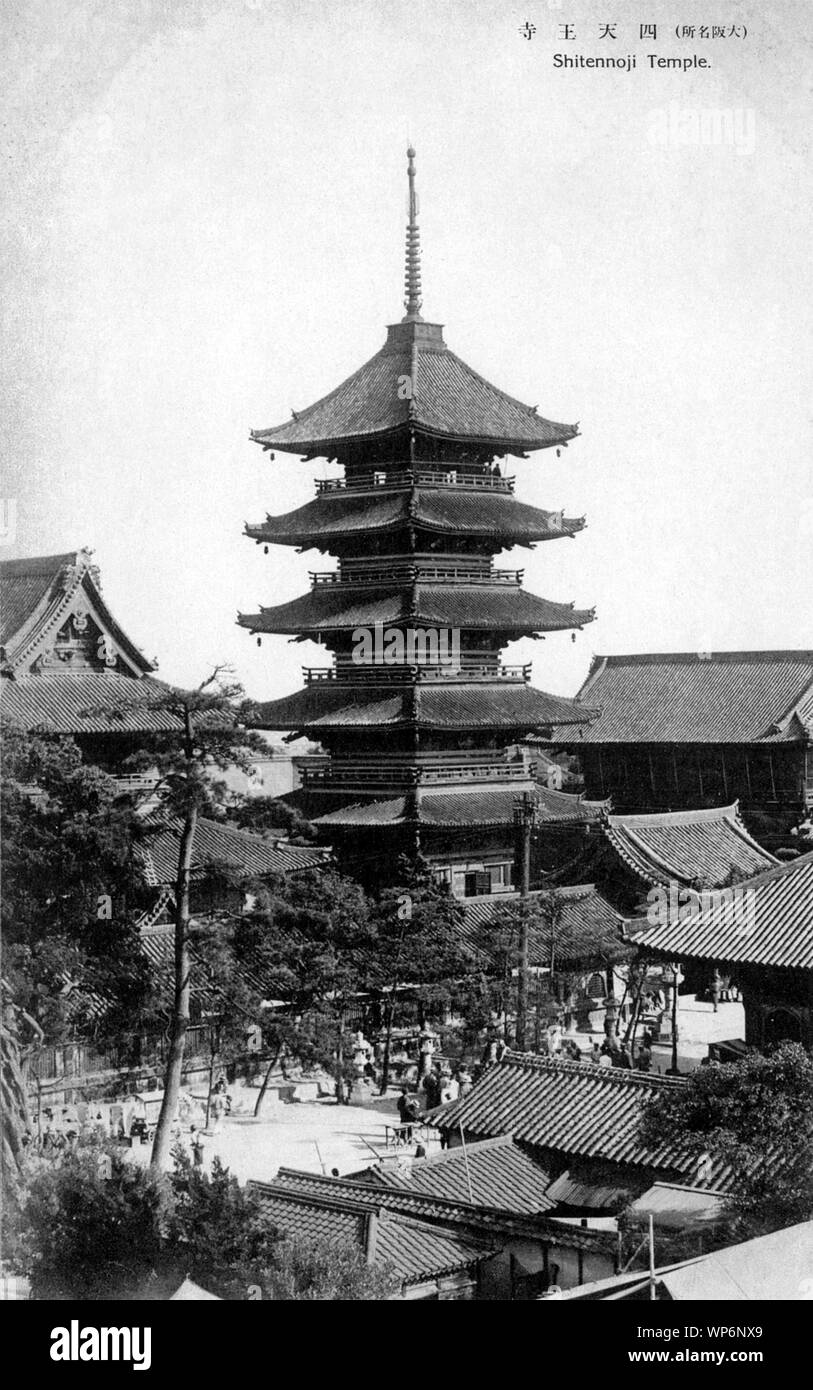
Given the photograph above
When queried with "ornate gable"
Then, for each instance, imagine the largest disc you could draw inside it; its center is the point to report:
(66, 625)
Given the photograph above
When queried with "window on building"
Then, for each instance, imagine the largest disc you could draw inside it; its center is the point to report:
(500, 876)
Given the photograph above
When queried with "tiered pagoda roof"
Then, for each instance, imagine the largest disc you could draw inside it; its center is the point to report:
(434, 704)
(461, 806)
(343, 607)
(454, 509)
(415, 522)
(447, 401)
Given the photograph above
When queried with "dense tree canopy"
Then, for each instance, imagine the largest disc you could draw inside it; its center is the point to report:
(71, 890)
(757, 1116)
(99, 1227)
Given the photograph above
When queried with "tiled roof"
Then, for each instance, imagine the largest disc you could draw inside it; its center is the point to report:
(577, 1109)
(332, 608)
(492, 1173)
(419, 1251)
(588, 931)
(724, 697)
(571, 1191)
(415, 1250)
(766, 921)
(40, 594)
(479, 1220)
(693, 848)
(448, 511)
(332, 704)
(312, 1219)
(85, 702)
(395, 810)
(25, 583)
(465, 806)
(49, 599)
(251, 855)
(158, 944)
(446, 398)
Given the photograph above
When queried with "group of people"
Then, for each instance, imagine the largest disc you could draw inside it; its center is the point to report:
(437, 1086)
(58, 1133)
(440, 1084)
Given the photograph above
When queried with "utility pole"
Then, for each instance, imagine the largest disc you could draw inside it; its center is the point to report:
(525, 811)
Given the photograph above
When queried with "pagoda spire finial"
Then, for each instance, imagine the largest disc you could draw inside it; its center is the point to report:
(412, 282)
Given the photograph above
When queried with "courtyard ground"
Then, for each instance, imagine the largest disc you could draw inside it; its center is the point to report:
(318, 1135)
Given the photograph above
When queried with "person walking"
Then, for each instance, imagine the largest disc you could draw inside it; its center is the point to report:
(197, 1146)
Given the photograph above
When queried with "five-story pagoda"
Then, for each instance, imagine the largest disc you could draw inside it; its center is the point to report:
(416, 711)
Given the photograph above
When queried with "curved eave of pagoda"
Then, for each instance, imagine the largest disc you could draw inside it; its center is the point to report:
(475, 608)
(448, 401)
(459, 808)
(499, 705)
(555, 436)
(345, 516)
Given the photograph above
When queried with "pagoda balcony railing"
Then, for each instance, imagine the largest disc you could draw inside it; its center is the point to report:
(364, 673)
(412, 574)
(418, 476)
(416, 770)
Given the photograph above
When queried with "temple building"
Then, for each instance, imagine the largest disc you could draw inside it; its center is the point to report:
(68, 667)
(761, 936)
(629, 856)
(701, 729)
(416, 710)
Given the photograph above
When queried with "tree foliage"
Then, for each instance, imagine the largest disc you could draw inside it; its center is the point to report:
(267, 814)
(311, 938)
(756, 1116)
(137, 1234)
(71, 891)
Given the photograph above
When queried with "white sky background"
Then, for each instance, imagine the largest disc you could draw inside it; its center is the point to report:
(205, 208)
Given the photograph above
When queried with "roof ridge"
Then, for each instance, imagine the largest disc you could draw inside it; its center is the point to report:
(436, 1160)
(611, 1075)
(448, 1208)
(706, 658)
(701, 815)
(41, 564)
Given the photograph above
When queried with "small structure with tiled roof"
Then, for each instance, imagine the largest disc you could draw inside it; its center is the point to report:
(244, 855)
(426, 1236)
(631, 855)
(687, 729)
(578, 1118)
(761, 932)
(67, 665)
(416, 734)
(494, 1173)
(689, 848)
(427, 1261)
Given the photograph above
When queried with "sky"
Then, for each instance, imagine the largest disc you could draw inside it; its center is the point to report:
(203, 228)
